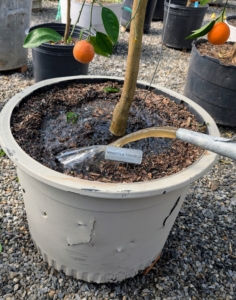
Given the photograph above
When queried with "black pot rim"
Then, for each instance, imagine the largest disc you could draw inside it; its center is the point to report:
(51, 25)
(183, 7)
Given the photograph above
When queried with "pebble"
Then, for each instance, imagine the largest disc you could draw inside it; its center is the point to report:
(208, 213)
(195, 262)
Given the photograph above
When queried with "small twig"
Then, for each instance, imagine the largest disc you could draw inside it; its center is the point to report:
(68, 21)
(233, 56)
(231, 250)
(148, 269)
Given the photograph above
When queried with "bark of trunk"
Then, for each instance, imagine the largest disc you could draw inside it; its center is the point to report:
(233, 57)
(121, 111)
(68, 21)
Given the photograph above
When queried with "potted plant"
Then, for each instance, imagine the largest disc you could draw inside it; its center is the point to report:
(93, 230)
(211, 73)
(159, 11)
(14, 20)
(183, 18)
(84, 21)
(126, 14)
(53, 45)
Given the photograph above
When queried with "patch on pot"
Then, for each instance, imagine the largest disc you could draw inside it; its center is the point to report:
(132, 156)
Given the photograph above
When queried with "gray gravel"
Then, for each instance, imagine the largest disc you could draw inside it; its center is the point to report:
(199, 258)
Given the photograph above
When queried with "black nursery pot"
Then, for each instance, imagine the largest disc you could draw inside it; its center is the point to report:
(181, 22)
(211, 84)
(126, 16)
(54, 60)
(159, 11)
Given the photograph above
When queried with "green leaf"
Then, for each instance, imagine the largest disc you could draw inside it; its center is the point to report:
(104, 43)
(127, 9)
(203, 2)
(71, 117)
(110, 89)
(201, 31)
(0, 248)
(2, 153)
(111, 24)
(41, 35)
(97, 50)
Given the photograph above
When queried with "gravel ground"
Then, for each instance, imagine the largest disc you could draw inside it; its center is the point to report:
(199, 258)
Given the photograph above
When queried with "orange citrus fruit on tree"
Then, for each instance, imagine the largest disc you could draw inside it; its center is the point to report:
(83, 51)
(219, 34)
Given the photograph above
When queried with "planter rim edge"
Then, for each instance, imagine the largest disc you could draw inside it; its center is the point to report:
(100, 189)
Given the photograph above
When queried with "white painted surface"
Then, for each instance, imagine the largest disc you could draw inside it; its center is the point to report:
(232, 37)
(84, 18)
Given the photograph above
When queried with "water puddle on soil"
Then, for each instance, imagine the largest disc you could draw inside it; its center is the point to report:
(92, 155)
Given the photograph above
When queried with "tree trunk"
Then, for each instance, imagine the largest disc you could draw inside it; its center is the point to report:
(233, 57)
(121, 111)
(67, 30)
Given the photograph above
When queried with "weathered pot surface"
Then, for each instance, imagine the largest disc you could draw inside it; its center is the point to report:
(97, 231)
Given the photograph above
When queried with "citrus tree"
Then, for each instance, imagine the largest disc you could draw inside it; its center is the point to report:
(217, 31)
(102, 44)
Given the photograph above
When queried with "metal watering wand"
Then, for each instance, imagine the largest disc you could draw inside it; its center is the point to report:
(222, 146)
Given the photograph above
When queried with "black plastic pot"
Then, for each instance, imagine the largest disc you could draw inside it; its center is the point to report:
(159, 11)
(212, 85)
(126, 16)
(55, 60)
(181, 22)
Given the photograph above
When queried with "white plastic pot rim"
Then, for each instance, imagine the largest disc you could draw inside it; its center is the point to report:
(94, 188)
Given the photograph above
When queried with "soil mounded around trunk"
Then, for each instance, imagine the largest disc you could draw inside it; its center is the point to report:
(75, 115)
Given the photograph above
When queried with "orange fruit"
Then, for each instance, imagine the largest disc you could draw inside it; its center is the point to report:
(219, 34)
(83, 51)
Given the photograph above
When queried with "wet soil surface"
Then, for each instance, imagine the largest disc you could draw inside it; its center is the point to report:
(221, 52)
(41, 127)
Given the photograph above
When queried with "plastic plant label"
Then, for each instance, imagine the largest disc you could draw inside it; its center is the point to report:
(132, 156)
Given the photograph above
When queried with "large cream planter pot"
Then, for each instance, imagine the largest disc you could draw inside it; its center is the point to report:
(98, 231)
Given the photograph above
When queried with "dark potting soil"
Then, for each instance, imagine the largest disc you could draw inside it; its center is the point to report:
(41, 128)
(221, 52)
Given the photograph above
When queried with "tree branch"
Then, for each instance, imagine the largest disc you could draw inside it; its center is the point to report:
(68, 21)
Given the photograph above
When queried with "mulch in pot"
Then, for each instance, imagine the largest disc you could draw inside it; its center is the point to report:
(41, 128)
(221, 52)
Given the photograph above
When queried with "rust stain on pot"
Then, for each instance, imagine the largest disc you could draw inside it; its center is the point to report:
(207, 152)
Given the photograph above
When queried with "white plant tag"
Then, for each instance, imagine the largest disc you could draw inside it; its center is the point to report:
(132, 156)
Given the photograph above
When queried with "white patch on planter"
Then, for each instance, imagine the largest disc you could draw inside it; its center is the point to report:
(132, 156)
(82, 234)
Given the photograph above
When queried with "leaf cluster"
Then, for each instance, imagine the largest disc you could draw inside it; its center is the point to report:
(102, 43)
(206, 28)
